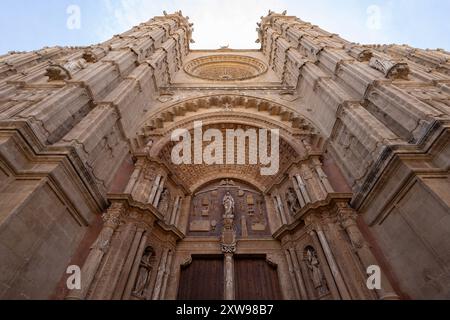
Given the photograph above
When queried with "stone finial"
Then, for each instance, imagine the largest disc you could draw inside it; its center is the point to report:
(360, 53)
(391, 69)
(90, 56)
(57, 73)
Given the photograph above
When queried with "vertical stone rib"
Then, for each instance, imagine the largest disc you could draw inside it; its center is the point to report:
(298, 274)
(343, 290)
(160, 276)
(133, 274)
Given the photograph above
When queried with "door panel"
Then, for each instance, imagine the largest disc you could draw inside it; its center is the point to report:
(202, 279)
(256, 279)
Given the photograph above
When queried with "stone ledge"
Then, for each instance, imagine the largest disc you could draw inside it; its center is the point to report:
(329, 203)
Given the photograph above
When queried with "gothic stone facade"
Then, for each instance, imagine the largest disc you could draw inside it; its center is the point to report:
(86, 177)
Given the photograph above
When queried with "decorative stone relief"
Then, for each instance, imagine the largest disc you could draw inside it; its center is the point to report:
(225, 68)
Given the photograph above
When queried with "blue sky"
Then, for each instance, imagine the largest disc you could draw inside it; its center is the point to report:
(32, 24)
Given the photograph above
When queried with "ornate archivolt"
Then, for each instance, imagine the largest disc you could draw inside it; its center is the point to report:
(282, 114)
(228, 112)
(237, 120)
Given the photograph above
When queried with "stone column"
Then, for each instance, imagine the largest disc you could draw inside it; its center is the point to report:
(160, 275)
(344, 254)
(133, 179)
(348, 222)
(298, 192)
(135, 269)
(325, 268)
(129, 262)
(114, 263)
(177, 218)
(280, 208)
(292, 274)
(303, 189)
(345, 295)
(98, 250)
(324, 179)
(175, 210)
(158, 194)
(229, 245)
(298, 274)
(154, 189)
(167, 271)
(229, 277)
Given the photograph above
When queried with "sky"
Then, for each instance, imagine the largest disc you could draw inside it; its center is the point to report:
(32, 24)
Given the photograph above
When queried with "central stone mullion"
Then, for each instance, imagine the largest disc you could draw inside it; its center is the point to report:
(228, 245)
(229, 284)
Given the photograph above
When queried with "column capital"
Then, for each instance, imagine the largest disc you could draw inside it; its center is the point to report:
(113, 215)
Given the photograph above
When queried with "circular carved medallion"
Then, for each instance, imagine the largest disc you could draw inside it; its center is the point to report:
(225, 68)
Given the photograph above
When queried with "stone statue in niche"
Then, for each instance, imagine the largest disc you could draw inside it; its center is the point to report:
(292, 201)
(145, 271)
(148, 146)
(316, 274)
(229, 205)
(165, 201)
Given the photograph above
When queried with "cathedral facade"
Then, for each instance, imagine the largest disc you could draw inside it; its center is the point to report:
(361, 190)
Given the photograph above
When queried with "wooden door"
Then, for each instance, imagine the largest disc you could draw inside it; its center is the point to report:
(203, 279)
(256, 279)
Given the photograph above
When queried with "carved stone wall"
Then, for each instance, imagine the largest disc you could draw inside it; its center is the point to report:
(66, 117)
(363, 179)
(381, 109)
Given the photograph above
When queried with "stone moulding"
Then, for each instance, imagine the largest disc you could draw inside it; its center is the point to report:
(328, 204)
(391, 153)
(145, 209)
